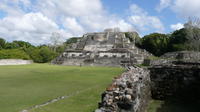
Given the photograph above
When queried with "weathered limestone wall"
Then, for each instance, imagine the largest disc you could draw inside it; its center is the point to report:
(129, 92)
(98, 47)
(81, 61)
(74, 62)
(119, 55)
(176, 81)
(184, 55)
(15, 62)
(149, 62)
(111, 62)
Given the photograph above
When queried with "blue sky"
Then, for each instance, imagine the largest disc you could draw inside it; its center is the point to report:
(35, 20)
(167, 16)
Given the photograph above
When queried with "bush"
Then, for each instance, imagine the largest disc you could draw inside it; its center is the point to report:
(41, 54)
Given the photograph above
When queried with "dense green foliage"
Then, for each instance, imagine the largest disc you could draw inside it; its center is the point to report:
(25, 50)
(41, 54)
(185, 39)
(180, 40)
(26, 86)
(155, 43)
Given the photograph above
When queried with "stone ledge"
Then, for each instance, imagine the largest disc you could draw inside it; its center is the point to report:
(15, 62)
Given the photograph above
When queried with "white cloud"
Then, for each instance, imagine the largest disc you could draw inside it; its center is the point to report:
(143, 22)
(177, 26)
(187, 7)
(80, 7)
(184, 8)
(88, 15)
(136, 10)
(124, 26)
(35, 21)
(70, 8)
(32, 27)
(11, 8)
(73, 26)
(163, 4)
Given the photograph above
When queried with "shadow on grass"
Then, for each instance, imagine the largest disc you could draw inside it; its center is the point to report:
(174, 105)
(181, 95)
(179, 106)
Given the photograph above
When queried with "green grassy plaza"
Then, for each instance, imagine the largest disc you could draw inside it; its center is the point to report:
(24, 86)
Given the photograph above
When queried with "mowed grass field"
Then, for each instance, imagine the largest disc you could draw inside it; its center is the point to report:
(23, 86)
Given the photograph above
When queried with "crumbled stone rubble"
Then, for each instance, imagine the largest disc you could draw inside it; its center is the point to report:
(129, 92)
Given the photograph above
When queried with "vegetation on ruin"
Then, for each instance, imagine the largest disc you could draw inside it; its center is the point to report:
(72, 40)
(28, 85)
(133, 37)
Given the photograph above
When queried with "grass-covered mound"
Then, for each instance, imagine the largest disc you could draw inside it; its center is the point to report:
(13, 54)
(27, 85)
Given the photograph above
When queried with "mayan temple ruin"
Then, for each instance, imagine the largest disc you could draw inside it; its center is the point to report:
(109, 48)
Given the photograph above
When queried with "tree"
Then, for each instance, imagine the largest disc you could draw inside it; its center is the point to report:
(56, 40)
(187, 38)
(46, 54)
(34, 54)
(72, 40)
(41, 54)
(11, 45)
(192, 29)
(22, 44)
(192, 22)
(155, 43)
(17, 44)
(134, 37)
(2, 43)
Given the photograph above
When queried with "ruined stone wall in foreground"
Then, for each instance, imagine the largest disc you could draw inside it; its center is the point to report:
(130, 92)
(176, 81)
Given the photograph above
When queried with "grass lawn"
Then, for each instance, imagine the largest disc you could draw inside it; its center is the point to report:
(24, 86)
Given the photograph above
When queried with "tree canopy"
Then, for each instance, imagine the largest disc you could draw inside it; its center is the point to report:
(2, 43)
(155, 43)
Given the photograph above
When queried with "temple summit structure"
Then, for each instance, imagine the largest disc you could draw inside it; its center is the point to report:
(109, 48)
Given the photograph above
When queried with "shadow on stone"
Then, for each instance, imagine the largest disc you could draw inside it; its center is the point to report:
(178, 86)
(179, 106)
